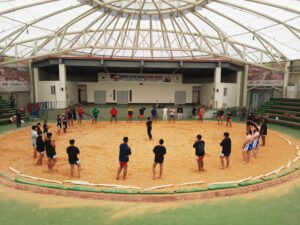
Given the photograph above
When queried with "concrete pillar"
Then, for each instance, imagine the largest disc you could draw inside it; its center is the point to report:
(36, 84)
(218, 95)
(31, 80)
(239, 86)
(286, 79)
(62, 93)
(245, 86)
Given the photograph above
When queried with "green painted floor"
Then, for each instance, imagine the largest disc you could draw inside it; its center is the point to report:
(274, 206)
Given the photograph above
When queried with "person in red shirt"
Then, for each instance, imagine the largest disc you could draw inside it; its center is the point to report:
(201, 114)
(113, 114)
(80, 112)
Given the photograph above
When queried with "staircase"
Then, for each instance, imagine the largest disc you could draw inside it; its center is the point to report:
(282, 111)
(6, 112)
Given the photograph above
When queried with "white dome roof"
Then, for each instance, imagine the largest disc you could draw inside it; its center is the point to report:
(247, 31)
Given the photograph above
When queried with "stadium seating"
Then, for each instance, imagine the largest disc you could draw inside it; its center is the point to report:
(282, 111)
(6, 112)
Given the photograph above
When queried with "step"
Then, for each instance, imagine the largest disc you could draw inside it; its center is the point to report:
(279, 111)
(287, 103)
(293, 108)
(285, 123)
(287, 118)
(285, 99)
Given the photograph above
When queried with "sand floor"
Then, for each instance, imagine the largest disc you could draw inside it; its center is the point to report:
(99, 146)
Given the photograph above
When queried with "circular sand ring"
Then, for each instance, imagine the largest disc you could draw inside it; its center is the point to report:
(171, 126)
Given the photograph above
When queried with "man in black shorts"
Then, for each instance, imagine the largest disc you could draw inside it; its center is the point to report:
(142, 113)
(159, 152)
(226, 150)
(220, 116)
(50, 152)
(149, 127)
(40, 146)
(73, 153)
(264, 131)
(199, 152)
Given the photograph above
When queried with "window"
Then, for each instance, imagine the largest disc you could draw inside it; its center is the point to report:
(53, 91)
(225, 91)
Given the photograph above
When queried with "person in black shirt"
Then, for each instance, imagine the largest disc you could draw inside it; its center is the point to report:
(64, 122)
(226, 150)
(73, 153)
(228, 119)
(50, 152)
(179, 112)
(220, 116)
(124, 154)
(199, 152)
(74, 116)
(45, 128)
(142, 113)
(12, 101)
(264, 131)
(18, 118)
(70, 117)
(40, 146)
(38, 126)
(243, 113)
(194, 111)
(149, 127)
(59, 124)
(159, 152)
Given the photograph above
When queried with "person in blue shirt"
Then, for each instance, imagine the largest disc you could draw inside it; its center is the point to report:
(124, 154)
(154, 113)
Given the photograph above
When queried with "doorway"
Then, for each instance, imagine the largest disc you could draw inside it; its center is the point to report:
(196, 95)
(82, 93)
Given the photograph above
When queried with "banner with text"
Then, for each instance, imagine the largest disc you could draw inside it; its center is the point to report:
(14, 78)
(176, 78)
(263, 77)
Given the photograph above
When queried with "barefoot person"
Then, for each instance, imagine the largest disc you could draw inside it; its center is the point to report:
(69, 116)
(142, 113)
(228, 119)
(220, 116)
(200, 114)
(264, 131)
(58, 124)
(130, 114)
(149, 127)
(226, 150)
(154, 114)
(40, 146)
(124, 154)
(80, 112)
(179, 112)
(65, 122)
(199, 146)
(165, 113)
(45, 128)
(172, 112)
(247, 146)
(50, 152)
(113, 114)
(159, 152)
(95, 115)
(34, 136)
(73, 153)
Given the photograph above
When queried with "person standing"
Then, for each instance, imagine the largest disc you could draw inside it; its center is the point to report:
(142, 113)
(80, 112)
(18, 118)
(226, 150)
(159, 152)
(124, 154)
(113, 114)
(172, 112)
(12, 101)
(40, 146)
(34, 136)
(228, 119)
(194, 111)
(243, 113)
(50, 152)
(154, 113)
(95, 113)
(179, 112)
(69, 116)
(220, 116)
(74, 116)
(201, 114)
(264, 131)
(130, 114)
(64, 122)
(45, 128)
(149, 128)
(58, 124)
(199, 146)
(73, 153)
(165, 114)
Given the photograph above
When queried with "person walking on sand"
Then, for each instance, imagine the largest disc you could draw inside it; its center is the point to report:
(159, 152)
(73, 153)
(226, 150)
(124, 154)
(199, 146)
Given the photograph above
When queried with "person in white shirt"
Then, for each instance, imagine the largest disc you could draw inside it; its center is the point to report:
(165, 114)
(34, 136)
(172, 114)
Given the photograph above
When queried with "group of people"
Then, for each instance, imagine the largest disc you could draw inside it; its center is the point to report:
(43, 142)
(220, 117)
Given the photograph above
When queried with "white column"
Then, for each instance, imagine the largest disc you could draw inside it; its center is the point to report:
(239, 85)
(61, 93)
(286, 79)
(31, 80)
(218, 95)
(36, 84)
(245, 87)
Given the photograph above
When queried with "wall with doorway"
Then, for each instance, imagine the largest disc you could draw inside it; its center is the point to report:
(72, 91)
(149, 92)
